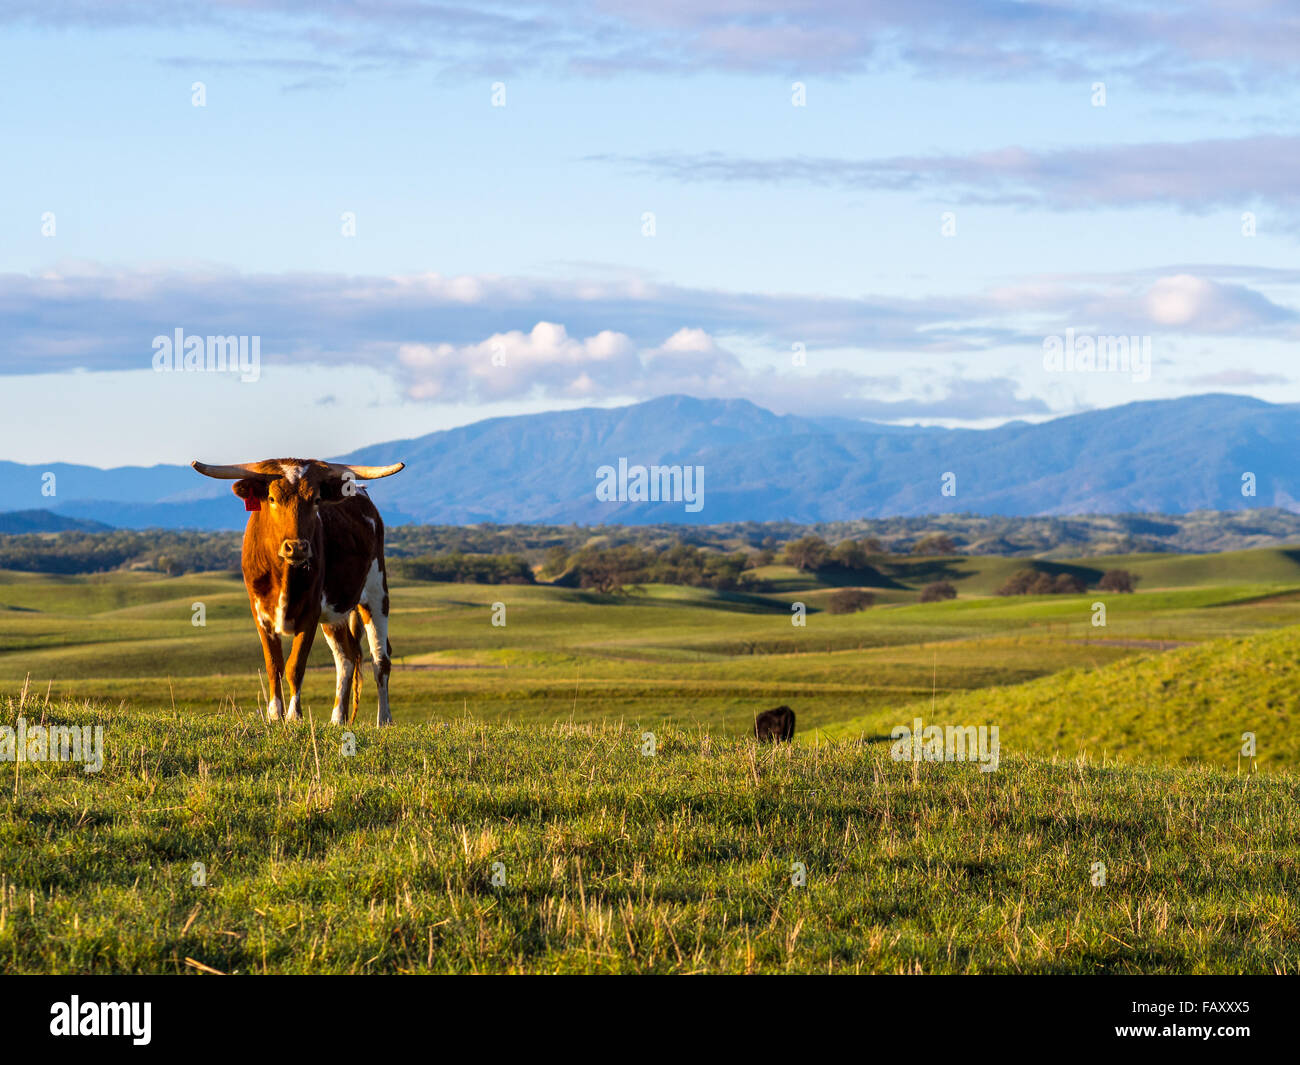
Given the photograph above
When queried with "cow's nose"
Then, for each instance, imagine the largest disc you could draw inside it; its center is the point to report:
(295, 550)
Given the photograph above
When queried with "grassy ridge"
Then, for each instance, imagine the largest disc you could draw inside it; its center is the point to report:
(1191, 705)
(617, 862)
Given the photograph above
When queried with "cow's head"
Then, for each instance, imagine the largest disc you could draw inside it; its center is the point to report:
(287, 492)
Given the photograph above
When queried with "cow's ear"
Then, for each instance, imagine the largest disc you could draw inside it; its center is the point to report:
(250, 488)
(331, 490)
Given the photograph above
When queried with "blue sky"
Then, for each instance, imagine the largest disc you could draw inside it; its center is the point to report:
(500, 264)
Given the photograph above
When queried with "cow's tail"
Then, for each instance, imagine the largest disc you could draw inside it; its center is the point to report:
(354, 627)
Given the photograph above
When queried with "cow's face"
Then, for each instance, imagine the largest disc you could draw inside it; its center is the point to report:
(287, 507)
(287, 494)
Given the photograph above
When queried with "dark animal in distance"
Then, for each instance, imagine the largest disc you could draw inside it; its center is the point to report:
(774, 726)
(314, 554)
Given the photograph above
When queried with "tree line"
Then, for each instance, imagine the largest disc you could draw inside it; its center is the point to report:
(608, 559)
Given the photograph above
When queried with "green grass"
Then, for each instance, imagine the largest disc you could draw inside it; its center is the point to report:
(521, 745)
(1190, 706)
(617, 862)
(684, 656)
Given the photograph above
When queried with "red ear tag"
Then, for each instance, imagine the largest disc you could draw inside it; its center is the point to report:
(252, 503)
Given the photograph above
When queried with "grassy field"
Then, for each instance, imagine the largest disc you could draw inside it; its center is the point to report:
(521, 745)
(676, 655)
(614, 861)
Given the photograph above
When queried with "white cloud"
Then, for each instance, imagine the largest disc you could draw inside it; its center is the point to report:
(514, 364)
(549, 363)
(1178, 300)
(1196, 304)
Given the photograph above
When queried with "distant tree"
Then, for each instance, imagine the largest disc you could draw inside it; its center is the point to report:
(851, 600)
(938, 591)
(1019, 582)
(1068, 584)
(1042, 584)
(612, 570)
(808, 553)
(1117, 580)
(934, 544)
(851, 555)
(1032, 582)
(169, 565)
(609, 571)
(460, 568)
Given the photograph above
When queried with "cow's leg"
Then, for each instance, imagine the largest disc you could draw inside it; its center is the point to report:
(347, 661)
(376, 622)
(373, 609)
(273, 653)
(297, 667)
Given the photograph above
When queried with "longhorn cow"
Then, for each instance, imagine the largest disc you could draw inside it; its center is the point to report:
(314, 554)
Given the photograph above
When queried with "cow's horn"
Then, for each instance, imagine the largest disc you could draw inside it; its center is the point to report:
(228, 473)
(368, 473)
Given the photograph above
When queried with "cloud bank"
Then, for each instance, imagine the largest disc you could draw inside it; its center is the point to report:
(485, 339)
(1194, 176)
(1200, 44)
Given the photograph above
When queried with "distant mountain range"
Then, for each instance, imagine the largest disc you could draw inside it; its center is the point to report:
(1166, 456)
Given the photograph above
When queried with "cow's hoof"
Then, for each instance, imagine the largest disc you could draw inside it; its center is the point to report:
(338, 717)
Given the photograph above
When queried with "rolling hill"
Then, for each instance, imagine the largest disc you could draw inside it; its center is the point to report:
(1198, 701)
(19, 522)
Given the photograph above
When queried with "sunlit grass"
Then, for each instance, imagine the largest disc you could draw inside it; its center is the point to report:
(617, 862)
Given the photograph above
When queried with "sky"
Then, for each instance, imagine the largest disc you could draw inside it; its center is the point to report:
(423, 214)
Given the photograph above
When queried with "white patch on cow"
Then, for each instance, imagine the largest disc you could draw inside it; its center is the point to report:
(377, 629)
(343, 667)
(373, 592)
(330, 616)
(373, 527)
(281, 607)
(294, 713)
(293, 474)
(274, 709)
